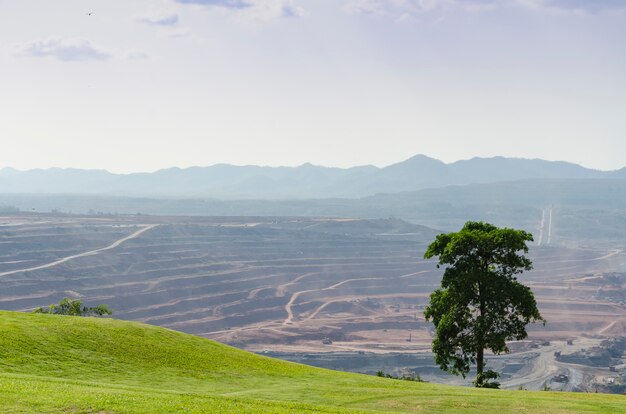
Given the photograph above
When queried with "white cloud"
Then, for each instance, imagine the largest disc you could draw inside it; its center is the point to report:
(407, 10)
(136, 55)
(253, 9)
(160, 19)
(394, 7)
(404, 9)
(230, 4)
(271, 9)
(67, 50)
(178, 32)
(367, 7)
(580, 6)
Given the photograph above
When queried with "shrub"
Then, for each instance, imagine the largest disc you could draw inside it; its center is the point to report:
(75, 308)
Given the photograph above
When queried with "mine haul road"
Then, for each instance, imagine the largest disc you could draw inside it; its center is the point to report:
(84, 254)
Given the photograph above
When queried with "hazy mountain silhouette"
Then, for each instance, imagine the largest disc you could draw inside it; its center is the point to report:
(620, 173)
(305, 181)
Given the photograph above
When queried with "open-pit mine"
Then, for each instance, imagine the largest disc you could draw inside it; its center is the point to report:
(341, 293)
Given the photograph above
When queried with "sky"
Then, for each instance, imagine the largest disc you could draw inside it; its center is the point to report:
(150, 84)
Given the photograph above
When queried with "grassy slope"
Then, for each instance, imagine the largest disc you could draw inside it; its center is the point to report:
(67, 364)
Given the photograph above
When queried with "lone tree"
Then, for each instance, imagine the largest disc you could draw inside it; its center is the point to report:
(480, 304)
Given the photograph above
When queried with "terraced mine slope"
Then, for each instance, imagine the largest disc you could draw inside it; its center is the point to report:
(51, 364)
(303, 286)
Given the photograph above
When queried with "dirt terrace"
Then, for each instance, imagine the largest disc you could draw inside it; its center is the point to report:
(283, 284)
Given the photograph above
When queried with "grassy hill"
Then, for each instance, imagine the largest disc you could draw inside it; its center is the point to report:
(51, 364)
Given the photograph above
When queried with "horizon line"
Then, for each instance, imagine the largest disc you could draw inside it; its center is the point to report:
(305, 164)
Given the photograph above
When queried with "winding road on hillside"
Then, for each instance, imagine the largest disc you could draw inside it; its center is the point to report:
(84, 254)
(288, 307)
(295, 296)
(545, 213)
(611, 253)
(541, 370)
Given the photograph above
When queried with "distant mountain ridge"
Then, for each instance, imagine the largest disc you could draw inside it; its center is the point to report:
(305, 181)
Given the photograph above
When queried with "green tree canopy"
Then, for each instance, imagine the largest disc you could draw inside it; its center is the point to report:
(480, 304)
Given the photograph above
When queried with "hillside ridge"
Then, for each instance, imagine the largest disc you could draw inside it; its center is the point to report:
(305, 181)
(54, 363)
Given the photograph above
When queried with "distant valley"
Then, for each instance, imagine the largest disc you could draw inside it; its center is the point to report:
(584, 211)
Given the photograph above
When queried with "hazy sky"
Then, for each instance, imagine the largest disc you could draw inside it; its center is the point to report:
(142, 85)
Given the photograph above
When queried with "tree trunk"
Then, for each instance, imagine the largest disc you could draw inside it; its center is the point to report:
(480, 355)
(480, 365)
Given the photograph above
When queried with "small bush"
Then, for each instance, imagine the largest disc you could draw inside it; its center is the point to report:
(75, 308)
(416, 377)
(485, 380)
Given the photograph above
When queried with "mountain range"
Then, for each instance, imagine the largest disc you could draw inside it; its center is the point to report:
(303, 182)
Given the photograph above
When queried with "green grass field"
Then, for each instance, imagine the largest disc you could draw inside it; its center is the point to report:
(62, 364)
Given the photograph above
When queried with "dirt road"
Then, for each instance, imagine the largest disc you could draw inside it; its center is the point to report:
(545, 227)
(89, 253)
(542, 368)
